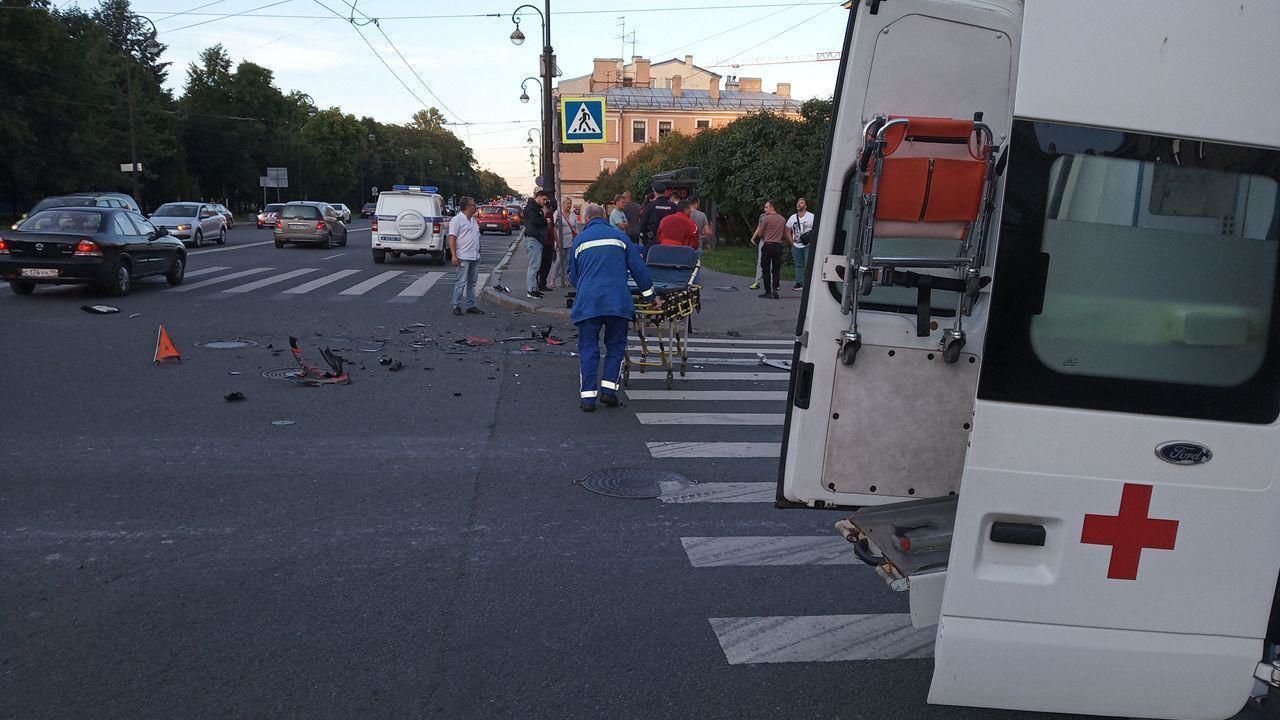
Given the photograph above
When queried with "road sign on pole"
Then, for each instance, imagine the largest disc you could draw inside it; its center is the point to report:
(582, 120)
(130, 167)
(279, 176)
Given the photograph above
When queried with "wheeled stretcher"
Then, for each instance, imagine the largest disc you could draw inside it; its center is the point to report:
(663, 331)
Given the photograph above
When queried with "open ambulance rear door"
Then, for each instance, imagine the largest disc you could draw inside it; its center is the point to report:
(1099, 456)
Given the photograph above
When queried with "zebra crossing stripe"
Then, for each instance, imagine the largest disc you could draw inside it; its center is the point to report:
(711, 418)
(204, 271)
(740, 341)
(320, 282)
(419, 287)
(678, 394)
(220, 279)
(691, 349)
(725, 492)
(821, 638)
(373, 282)
(259, 284)
(694, 375)
(714, 449)
(755, 551)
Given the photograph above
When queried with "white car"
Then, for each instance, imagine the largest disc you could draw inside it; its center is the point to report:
(191, 222)
(409, 221)
(344, 212)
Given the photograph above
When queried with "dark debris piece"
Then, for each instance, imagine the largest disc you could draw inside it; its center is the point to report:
(235, 396)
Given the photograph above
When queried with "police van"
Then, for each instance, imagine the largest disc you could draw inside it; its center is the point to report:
(408, 220)
(1041, 369)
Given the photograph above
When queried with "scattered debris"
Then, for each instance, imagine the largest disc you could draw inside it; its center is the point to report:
(428, 368)
(396, 366)
(234, 372)
(502, 289)
(270, 346)
(384, 360)
(779, 364)
(165, 349)
(734, 333)
(410, 328)
(235, 396)
(554, 341)
(282, 423)
(540, 333)
(336, 375)
(727, 288)
(528, 348)
(457, 394)
(474, 341)
(100, 309)
(135, 315)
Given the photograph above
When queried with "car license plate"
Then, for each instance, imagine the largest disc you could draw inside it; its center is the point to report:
(389, 238)
(491, 225)
(39, 272)
(296, 226)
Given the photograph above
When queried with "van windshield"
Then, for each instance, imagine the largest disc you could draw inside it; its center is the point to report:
(394, 204)
(1137, 273)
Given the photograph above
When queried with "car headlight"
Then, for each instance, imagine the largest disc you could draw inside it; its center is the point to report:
(183, 227)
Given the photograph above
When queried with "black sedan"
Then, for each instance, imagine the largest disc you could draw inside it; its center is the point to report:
(107, 247)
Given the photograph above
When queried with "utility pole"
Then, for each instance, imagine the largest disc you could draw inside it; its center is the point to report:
(548, 73)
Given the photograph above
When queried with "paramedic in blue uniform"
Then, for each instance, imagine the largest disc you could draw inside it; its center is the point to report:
(600, 261)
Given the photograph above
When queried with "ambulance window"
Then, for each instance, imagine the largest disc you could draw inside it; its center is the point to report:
(1137, 273)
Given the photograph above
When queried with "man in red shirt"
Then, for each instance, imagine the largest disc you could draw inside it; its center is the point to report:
(678, 228)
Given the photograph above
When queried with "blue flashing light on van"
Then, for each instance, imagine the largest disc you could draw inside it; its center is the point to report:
(416, 188)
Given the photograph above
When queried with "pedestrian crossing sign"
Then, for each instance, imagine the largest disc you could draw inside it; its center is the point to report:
(582, 120)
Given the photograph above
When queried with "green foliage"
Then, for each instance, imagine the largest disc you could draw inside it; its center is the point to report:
(757, 157)
(64, 123)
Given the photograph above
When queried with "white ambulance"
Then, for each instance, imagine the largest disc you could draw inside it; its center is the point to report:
(409, 220)
(1042, 365)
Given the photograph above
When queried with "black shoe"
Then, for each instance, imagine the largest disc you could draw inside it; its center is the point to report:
(457, 311)
(776, 295)
(587, 407)
(610, 400)
(535, 295)
(544, 288)
(474, 311)
(766, 294)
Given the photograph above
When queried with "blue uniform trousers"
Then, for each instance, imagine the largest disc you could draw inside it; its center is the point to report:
(615, 345)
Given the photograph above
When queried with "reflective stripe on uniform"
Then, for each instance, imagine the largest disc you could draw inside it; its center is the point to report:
(647, 293)
(588, 393)
(600, 243)
(608, 385)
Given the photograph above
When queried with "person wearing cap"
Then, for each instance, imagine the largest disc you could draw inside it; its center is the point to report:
(662, 206)
(600, 262)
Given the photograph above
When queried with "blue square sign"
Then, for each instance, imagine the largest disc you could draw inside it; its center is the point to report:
(582, 120)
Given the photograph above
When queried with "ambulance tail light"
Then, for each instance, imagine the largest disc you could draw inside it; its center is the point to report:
(435, 228)
(375, 225)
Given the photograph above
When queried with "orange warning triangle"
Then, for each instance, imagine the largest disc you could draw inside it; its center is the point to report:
(165, 349)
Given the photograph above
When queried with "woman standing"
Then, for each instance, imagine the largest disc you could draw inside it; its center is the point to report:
(567, 227)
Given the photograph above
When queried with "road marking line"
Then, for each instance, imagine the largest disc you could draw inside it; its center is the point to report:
(677, 394)
(365, 229)
(227, 248)
(320, 282)
(636, 376)
(756, 551)
(333, 256)
(711, 418)
(371, 283)
(205, 271)
(419, 287)
(674, 491)
(740, 341)
(691, 349)
(821, 638)
(258, 284)
(220, 279)
(714, 449)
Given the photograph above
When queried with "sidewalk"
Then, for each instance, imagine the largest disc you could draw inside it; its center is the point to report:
(728, 306)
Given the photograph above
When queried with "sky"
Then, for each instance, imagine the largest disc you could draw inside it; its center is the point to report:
(466, 65)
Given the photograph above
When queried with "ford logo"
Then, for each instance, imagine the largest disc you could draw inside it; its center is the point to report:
(39, 246)
(1183, 453)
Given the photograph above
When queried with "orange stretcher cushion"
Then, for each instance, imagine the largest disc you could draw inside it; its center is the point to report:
(926, 128)
(909, 192)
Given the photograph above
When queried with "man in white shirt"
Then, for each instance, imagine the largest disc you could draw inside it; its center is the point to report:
(464, 244)
(799, 224)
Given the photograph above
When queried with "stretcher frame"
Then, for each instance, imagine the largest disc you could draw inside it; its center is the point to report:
(669, 328)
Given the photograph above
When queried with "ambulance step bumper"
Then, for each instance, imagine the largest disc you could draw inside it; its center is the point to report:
(1269, 673)
(903, 539)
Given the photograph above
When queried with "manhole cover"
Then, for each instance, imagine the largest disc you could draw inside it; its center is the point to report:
(637, 483)
(227, 344)
(292, 373)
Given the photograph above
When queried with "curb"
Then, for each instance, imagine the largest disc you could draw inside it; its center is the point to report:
(510, 302)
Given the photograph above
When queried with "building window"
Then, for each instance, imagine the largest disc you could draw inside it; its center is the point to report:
(639, 131)
(609, 164)
(664, 127)
(704, 123)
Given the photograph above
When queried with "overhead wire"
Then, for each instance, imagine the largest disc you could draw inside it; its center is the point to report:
(224, 17)
(776, 36)
(188, 11)
(464, 16)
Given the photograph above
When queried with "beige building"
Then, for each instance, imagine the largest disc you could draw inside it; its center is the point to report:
(645, 100)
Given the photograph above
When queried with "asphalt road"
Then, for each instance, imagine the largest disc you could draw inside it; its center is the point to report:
(414, 543)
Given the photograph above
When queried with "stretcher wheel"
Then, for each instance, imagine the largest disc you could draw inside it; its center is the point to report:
(951, 353)
(670, 380)
(849, 351)
(684, 368)
(626, 371)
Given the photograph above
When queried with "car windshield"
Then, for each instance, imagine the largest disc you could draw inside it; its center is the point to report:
(54, 202)
(63, 221)
(177, 210)
(491, 210)
(275, 208)
(302, 212)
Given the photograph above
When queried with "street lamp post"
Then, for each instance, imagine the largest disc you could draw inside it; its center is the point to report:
(311, 112)
(548, 71)
(151, 48)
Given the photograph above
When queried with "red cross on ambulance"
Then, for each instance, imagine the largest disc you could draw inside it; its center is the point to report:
(1129, 532)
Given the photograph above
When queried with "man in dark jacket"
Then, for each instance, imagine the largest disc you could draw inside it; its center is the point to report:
(601, 260)
(654, 213)
(535, 242)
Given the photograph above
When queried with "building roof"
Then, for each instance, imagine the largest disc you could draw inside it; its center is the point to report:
(681, 63)
(632, 98)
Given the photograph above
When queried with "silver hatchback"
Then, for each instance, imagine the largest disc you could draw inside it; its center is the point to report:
(310, 223)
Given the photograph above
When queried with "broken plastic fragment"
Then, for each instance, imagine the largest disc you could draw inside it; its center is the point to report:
(282, 422)
(100, 309)
(235, 396)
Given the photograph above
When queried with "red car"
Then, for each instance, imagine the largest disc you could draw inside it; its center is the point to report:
(494, 218)
(269, 215)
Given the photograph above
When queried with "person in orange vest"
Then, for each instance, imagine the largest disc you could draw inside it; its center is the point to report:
(678, 228)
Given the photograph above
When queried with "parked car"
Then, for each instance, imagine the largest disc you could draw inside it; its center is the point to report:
(408, 221)
(344, 212)
(108, 247)
(106, 199)
(494, 218)
(192, 222)
(267, 218)
(311, 223)
(226, 214)
(368, 209)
